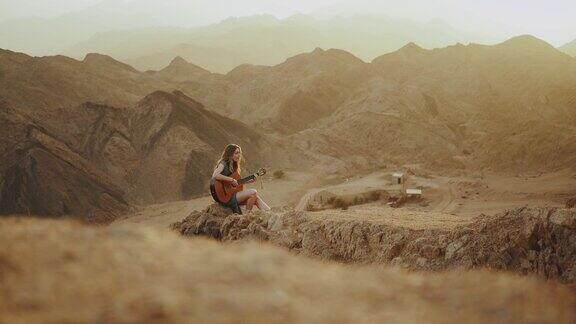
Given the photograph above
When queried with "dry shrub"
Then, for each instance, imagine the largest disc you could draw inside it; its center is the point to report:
(375, 196)
(340, 203)
(310, 207)
(279, 174)
(344, 203)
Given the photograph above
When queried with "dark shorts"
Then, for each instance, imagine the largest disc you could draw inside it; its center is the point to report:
(233, 205)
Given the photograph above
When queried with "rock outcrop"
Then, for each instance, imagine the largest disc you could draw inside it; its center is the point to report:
(538, 241)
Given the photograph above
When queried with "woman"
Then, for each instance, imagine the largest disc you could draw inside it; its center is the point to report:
(228, 164)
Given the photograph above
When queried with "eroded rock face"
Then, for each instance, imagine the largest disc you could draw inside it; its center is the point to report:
(42, 176)
(525, 240)
(45, 175)
(538, 241)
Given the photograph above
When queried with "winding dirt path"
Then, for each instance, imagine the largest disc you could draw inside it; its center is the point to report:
(449, 201)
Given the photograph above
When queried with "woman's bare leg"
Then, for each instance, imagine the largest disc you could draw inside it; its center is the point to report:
(250, 202)
(246, 194)
(243, 195)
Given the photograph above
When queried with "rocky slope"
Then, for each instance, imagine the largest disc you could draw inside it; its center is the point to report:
(510, 106)
(126, 274)
(41, 175)
(288, 97)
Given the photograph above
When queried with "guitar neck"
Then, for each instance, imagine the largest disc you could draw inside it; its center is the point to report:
(248, 178)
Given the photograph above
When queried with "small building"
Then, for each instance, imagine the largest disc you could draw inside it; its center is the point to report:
(414, 192)
(399, 176)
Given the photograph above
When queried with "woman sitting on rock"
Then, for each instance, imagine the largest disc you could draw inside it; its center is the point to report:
(228, 165)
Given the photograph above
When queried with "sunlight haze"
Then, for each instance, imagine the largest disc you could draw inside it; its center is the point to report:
(551, 20)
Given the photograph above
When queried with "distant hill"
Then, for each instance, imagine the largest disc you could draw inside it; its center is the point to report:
(264, 40)
(481, 105)
(180, 70)
(569, 48)
(50, 36)
(216, 59)
(57, 81)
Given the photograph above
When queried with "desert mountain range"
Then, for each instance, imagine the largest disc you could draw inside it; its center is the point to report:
(264, 40)
(465, 105)
(148, 137)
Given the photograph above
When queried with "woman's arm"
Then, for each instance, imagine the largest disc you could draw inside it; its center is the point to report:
(219, 176)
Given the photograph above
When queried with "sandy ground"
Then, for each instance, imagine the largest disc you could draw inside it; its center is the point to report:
(447, 201)
(469, 196)
(276, 192)
(401, 217)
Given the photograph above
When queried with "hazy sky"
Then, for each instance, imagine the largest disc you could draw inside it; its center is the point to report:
(552, 20)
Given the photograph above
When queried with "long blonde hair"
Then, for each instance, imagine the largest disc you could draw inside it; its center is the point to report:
(227, 157)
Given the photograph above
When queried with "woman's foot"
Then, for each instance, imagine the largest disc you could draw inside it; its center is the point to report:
(262, 205)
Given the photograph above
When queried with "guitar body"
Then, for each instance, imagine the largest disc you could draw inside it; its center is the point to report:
(222, 191)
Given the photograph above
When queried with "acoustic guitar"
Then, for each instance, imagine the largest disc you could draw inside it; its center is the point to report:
(222, 191)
